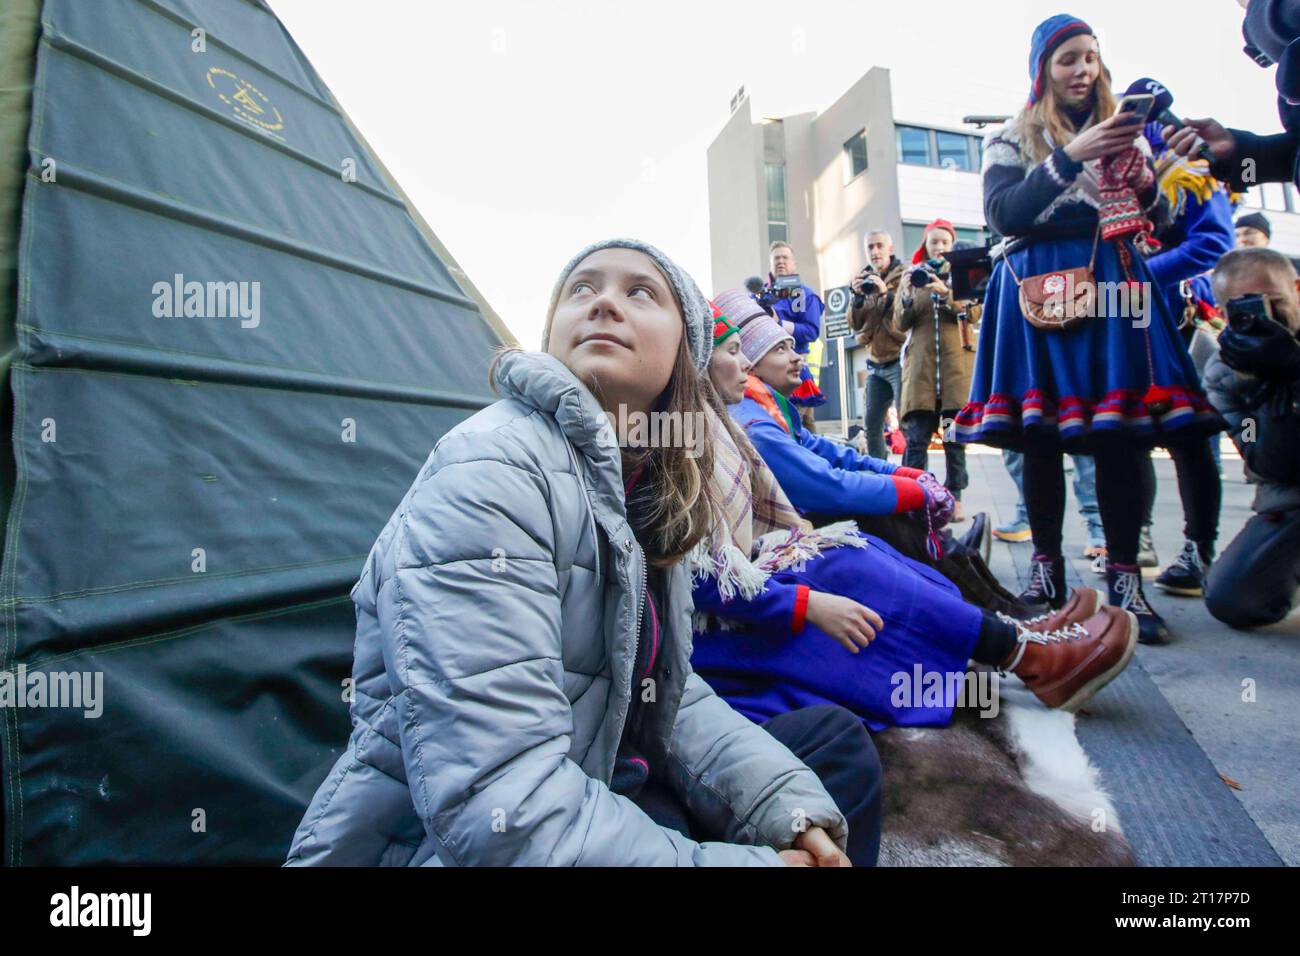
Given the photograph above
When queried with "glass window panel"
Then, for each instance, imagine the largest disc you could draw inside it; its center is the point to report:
(912, 235)
(776, 193)
(855, 151)
(914, 146)
(954, 150)
(1273, 198)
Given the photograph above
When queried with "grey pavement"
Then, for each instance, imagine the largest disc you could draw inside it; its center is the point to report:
(1214, 706)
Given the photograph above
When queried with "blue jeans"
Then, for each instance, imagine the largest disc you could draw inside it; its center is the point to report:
(884, 388)
(1085, 490)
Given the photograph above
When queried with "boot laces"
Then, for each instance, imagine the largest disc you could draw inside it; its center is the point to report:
(1062, 635)
(1190, 559)
(1024, 635)
(1040, 580)
(1128, 585)
(1071, 632)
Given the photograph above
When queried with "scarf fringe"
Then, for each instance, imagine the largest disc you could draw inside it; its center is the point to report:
(780, 550)
(728, 565)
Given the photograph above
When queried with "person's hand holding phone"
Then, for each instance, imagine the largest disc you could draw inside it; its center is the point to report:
(1107, 138)
(1187, 141)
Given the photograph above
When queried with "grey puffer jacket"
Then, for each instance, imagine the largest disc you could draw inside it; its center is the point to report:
(497, 620)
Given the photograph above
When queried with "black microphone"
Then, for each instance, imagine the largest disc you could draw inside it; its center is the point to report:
(754, 285)
(1161, 111)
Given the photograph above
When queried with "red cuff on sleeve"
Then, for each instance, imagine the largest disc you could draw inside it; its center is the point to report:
(800, 607)
(913, 473)
(911, 495)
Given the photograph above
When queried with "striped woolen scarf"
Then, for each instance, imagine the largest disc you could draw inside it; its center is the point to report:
(756, 529)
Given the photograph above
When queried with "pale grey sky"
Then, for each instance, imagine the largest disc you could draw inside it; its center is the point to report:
(524, 130)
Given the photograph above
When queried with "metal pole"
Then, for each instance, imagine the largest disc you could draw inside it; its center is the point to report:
(844, 394)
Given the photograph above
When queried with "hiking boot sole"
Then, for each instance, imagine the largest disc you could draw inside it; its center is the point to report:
(1181, 591)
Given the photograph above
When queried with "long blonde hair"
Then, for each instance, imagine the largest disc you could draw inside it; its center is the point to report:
(1046, 120)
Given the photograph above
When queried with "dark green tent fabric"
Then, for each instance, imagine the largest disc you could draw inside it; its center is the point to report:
(19, 28)
(235, 349)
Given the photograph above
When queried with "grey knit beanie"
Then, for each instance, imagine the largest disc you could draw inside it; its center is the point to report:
(695, 308)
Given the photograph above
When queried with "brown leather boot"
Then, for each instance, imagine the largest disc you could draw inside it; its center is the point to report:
(1082, 604)
(1065, 667)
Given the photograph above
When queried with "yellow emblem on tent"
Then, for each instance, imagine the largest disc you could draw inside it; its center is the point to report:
(249, 103)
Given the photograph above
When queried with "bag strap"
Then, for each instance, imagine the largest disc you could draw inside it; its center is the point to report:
(1092, 261)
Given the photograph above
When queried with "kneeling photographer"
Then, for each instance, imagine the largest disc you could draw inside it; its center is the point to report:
(1255, 383)
(872, 320)
(938, 358)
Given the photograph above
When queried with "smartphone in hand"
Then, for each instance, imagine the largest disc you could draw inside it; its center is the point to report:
(1137, 105)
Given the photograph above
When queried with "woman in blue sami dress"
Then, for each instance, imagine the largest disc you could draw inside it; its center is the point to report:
(1068, 182)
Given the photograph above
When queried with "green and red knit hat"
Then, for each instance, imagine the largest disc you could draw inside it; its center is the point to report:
(722, 326)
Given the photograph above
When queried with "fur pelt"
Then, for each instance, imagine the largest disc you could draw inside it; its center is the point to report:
(1012, 790)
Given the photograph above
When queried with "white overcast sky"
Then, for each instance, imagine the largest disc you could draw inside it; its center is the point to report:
(524, 130)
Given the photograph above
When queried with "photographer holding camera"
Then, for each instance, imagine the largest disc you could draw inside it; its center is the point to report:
(872, 320)
(1241, 159)
(1255, 384)
(938, 358)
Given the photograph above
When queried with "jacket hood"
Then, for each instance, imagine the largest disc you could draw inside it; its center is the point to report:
(543, 382)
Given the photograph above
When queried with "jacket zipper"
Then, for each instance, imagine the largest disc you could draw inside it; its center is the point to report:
(636, 633)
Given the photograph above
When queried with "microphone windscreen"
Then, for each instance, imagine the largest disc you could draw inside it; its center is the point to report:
(1164, 99)
(753, 285)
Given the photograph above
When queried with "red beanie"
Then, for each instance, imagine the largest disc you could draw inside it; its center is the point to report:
(919, 256)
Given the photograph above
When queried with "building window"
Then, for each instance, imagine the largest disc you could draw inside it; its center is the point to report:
(918, 146)
(914, 146)
(1271, 197)
(778, 220)
(1274, 197)
(953, 150)
(855, 156)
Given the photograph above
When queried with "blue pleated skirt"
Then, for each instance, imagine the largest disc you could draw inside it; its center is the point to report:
(929, 630)
(1074, 387)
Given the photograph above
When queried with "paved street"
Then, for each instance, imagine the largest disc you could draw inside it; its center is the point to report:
(1171, 732)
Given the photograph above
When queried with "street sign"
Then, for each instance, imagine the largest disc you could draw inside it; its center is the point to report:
(835, 320)
(835, 326)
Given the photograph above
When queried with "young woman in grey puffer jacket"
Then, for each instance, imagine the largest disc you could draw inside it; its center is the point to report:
(522, 664)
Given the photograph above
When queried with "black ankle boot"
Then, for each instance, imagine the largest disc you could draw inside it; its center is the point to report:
(1124, 582)
(978, 585)
(1047, 590)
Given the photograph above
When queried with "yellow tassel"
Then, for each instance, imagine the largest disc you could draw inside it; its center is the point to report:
(1179, 177)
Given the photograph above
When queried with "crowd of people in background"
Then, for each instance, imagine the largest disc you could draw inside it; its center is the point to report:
(576, 647)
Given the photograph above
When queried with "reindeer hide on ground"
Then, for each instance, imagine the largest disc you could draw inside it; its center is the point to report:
(1013, 790)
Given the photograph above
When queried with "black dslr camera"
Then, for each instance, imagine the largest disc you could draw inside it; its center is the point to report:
(1246, 313)
(864, 275)
(922, 275)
